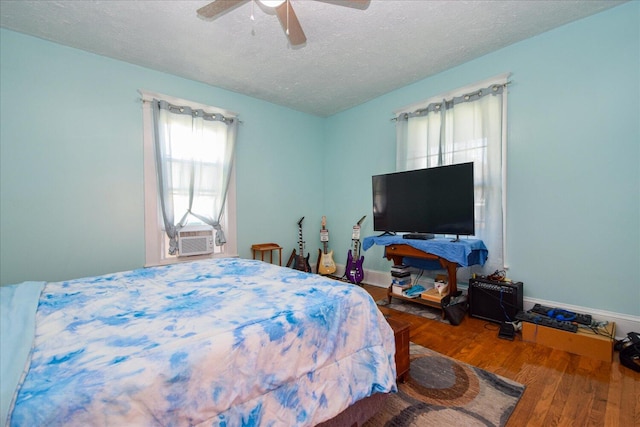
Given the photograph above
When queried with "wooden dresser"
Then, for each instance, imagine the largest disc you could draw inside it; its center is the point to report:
(401, 333)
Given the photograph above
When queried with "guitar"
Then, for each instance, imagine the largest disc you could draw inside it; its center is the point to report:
(325, 259)
(301, 263)
(354, 270)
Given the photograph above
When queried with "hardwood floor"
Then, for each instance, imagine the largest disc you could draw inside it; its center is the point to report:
(562, 389)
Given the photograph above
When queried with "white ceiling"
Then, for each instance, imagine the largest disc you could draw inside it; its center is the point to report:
(351, 55)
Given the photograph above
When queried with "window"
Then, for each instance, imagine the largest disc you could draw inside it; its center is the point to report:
(189, 149)
(467, 125)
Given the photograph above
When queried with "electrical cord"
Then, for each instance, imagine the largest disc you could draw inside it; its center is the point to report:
(599, 328)
(492, 327)
(418, 277)
(504, 310)
(517, 325)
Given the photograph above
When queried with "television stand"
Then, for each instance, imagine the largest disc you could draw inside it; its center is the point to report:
(448, 256)
(397, 252)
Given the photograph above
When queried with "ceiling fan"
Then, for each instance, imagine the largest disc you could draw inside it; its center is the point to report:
(283, 9)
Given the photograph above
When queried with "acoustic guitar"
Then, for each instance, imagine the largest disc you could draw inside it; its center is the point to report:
(354, 270)
(301, 263)
(326, 265)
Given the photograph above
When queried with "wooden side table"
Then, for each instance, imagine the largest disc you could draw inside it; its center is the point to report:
(401, 332)
(267, 247)
(397, 252)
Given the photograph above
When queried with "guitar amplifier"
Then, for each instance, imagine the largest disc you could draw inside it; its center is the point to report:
(494, 301)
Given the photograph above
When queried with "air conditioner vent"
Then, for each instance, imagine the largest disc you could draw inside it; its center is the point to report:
(195, 240)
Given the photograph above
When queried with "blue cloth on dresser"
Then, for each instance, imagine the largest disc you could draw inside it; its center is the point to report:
(465, 252)
(223, 342)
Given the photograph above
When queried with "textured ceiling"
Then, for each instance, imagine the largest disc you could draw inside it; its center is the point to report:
(351, 55)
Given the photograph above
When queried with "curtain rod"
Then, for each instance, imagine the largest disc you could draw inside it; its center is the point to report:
(465, 97)
(149, 101)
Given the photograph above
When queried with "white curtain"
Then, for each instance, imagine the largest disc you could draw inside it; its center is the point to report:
(194, 158)
(468, 128)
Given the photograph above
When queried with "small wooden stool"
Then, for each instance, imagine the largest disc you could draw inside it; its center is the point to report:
(270, 247)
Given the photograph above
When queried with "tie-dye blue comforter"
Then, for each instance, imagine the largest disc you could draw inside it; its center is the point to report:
(226, 342)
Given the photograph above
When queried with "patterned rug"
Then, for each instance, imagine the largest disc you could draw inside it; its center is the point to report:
(413, 308)
(440, 391)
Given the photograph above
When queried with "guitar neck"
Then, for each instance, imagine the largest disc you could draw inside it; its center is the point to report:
(356, 249)
(355, 237)
(300, 241)
(324, 236)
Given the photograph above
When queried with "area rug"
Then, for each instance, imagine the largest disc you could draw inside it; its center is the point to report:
(440, 391)
(413, 308)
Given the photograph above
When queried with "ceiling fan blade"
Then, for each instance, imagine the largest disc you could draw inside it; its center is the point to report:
(218, 7)
(356, 4)
(296, 35)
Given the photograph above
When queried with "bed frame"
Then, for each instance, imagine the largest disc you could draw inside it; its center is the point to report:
(358, 413)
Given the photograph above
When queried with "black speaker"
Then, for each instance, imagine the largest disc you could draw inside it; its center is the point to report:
(493, 300)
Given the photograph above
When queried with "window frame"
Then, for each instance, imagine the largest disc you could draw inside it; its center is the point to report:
(499, 79)
(156, 240)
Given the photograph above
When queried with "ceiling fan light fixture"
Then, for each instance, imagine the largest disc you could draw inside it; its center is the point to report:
(272, 3)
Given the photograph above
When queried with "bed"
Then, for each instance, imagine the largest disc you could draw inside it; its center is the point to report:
(224, 342)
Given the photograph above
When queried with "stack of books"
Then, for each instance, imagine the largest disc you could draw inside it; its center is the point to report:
(401, 279)
(400, 270)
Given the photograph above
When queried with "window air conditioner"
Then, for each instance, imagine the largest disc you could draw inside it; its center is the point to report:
(195, 240)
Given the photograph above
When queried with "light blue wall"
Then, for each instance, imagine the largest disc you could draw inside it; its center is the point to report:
(573, 159)
(71, 200)
(71, 161)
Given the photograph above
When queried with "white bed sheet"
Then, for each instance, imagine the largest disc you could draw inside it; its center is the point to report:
(18, 304)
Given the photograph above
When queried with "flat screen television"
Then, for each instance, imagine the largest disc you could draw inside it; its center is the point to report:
(423, 202)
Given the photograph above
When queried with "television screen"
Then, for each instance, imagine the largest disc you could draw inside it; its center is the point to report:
(438, 200)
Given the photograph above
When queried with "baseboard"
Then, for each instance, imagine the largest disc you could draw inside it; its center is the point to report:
(625, 323)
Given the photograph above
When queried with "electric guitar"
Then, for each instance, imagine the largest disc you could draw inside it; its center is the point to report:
(301, 263)
(325, 259)
(354, 270)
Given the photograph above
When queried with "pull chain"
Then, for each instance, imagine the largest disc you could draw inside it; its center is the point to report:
(253, 20)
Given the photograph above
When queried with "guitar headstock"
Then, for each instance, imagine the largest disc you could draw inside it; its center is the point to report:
(300, 222)
(324, 233)
(361, 219)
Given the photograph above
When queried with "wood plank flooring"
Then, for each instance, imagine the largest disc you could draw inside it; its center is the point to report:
(562, 389)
